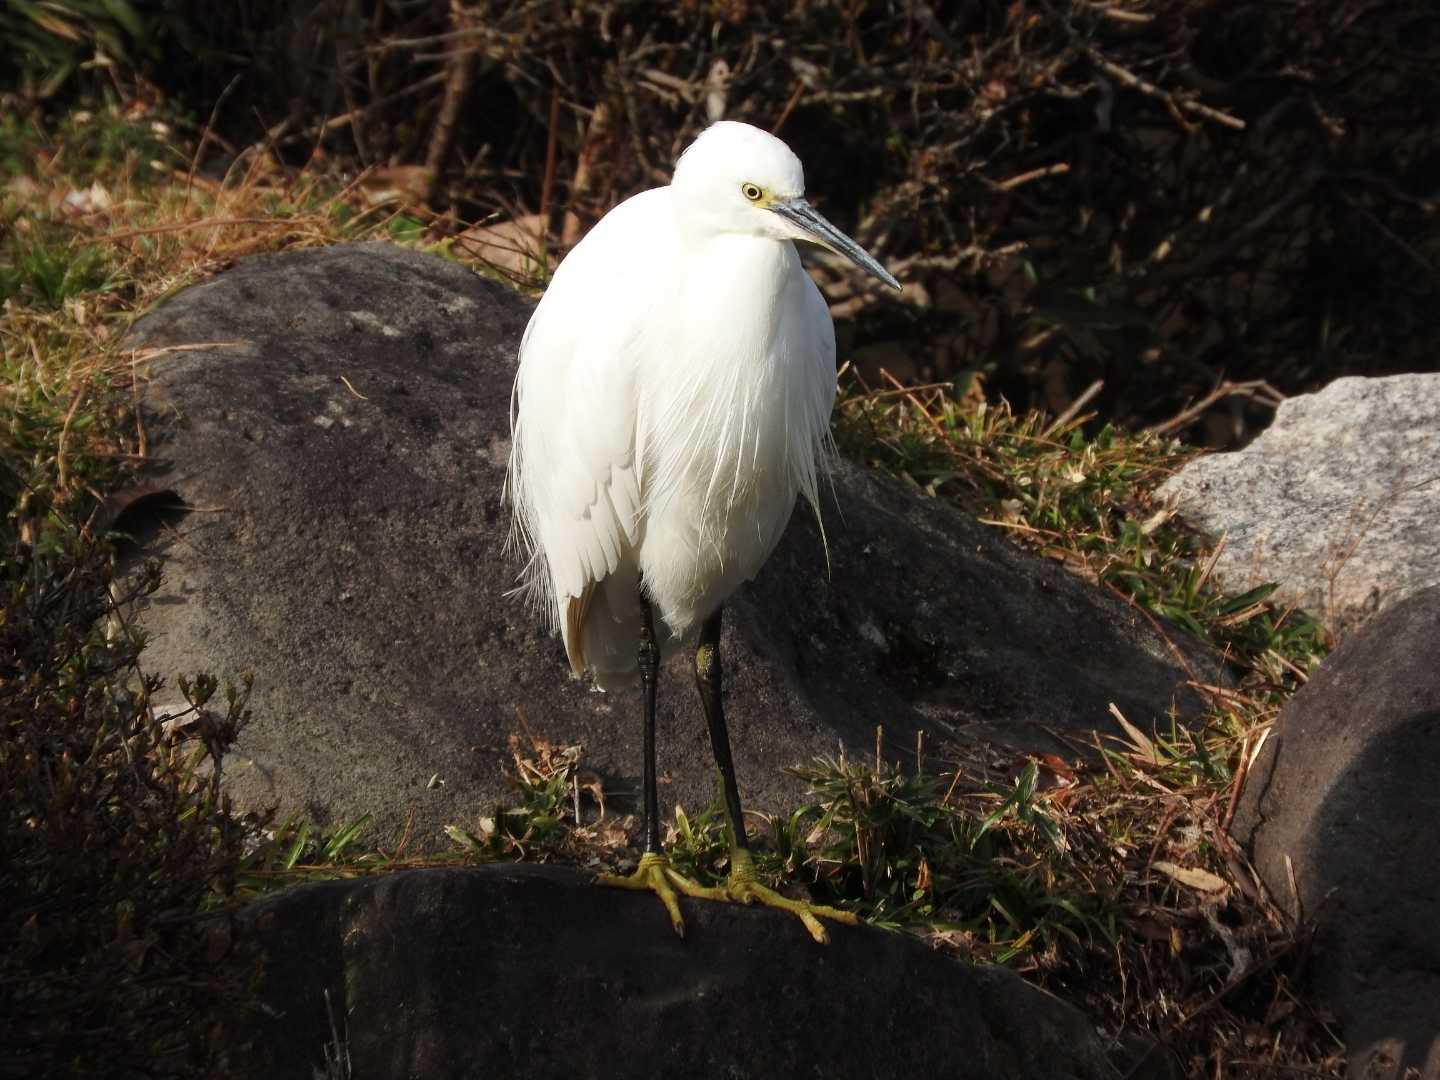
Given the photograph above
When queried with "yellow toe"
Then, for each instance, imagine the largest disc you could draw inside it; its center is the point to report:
(655, 874)
(743, 887)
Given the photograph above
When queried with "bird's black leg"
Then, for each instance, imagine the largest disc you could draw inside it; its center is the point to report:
(654, 874)
(743, 884)
(708, 675)
(649, 661)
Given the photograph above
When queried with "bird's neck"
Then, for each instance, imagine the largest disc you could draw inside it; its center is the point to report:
(740, 264)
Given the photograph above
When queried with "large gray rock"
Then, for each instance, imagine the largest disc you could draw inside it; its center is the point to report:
(1343, 801)
(1338, 500)
(342, 434)
(503, 971)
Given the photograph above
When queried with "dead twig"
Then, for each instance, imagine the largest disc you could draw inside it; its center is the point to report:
(1060, 168)
(1149, 89)
(1073, 410)
(459, 73)
(186, 226)
(1255, 389)
(75, 399)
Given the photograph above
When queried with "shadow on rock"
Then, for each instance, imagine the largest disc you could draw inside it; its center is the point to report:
(1343, 802)
(533, 971)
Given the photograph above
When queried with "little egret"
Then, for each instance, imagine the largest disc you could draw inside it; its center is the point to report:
(673, 398)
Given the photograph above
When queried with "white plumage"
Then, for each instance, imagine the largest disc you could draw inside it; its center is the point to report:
(673, 398)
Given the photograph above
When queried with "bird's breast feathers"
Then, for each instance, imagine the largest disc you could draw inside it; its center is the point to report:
(671, 404)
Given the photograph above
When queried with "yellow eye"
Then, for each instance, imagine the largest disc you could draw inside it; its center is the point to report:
(750, 191)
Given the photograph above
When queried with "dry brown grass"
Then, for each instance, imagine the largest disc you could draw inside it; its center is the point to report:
(114, 833)
(1173, 199)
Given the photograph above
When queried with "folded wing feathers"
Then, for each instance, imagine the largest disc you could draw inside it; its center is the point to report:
(582, 490)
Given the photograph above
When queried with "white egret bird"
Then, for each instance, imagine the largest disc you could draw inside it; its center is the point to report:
(673, 398)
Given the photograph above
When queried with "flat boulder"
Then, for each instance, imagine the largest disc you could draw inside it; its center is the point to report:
(336, 421)
(1340, 813)
(1335, 501)
(533, 971)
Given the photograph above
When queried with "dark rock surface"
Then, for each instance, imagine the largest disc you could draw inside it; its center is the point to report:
(505, 971)
(342, 436)
(1344, 794)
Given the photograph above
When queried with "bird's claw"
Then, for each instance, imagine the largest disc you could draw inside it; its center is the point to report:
(744, 888)
(655, 874)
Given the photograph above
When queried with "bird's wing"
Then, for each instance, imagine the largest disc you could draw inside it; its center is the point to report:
(814, 387)
(574, 473)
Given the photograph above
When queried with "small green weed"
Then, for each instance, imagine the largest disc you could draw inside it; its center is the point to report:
(903, 850)
(43, 270)
(88, 145)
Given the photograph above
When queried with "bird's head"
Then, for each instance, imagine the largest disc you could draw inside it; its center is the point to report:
(738, 179)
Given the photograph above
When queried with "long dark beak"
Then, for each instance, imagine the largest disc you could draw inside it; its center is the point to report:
(820, 231)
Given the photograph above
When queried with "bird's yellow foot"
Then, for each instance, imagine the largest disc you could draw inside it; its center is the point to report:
(655, 874)
(744, 887)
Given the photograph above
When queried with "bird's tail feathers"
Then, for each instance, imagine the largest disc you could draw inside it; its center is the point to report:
(601, 629)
